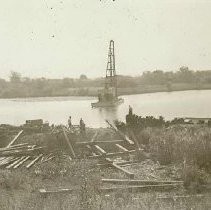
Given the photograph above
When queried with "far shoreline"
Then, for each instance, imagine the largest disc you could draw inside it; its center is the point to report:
(123, 91)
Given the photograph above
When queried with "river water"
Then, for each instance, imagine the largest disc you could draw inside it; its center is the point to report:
(56, 110)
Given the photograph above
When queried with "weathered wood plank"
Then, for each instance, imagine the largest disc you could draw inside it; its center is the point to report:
(69, 144)
(141, 188)
(21, 162)
(138, 182)
(34, 161)
(122, 148)
(15, 139)
(15, 162)
(128, 173)
(99, 142)
(120, 133)
(101, 150)
(44, 191)
(113, 154)
(95, 136)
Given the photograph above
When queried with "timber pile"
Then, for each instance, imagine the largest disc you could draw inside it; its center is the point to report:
(15, 155)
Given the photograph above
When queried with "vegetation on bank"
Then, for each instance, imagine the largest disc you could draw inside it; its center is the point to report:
(177, 152)
(156, 81)
(173, 142)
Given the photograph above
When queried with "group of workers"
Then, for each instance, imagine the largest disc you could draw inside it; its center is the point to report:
(81, 125)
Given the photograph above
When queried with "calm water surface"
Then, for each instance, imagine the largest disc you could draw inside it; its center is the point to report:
(57, 109)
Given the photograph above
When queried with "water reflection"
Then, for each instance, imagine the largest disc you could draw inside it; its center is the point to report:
(57, 109)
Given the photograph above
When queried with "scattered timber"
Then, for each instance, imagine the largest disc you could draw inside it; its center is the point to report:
(138, 182)
(15, 162)
(21, 162)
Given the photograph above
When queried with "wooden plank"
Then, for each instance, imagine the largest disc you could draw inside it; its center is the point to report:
(113, 154)
(95, 136)
(44, 191)
(99, 142)
(34, 161)
(141, 188)
(21, 162)
(125, 137)
(15, 148)
(138, 182)
(135, 139)
(128, 173)
(15, 162)
(121, 147)
(124, 163)
(176, 197)
(69, 144)
(9, 161)
(15, 139)
(101, 150)
(20, 152)
(19, 145)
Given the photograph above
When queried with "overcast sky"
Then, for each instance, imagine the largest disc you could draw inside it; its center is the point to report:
(66, 38)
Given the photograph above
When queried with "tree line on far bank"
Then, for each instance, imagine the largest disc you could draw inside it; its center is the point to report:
(20, 86)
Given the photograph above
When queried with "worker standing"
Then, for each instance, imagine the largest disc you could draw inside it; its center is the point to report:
(70, 122)
(82, 127)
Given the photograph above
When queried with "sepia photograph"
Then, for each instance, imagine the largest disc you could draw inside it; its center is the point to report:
(105, 105)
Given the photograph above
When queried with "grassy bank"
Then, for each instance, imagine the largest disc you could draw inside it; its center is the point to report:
(175, 153)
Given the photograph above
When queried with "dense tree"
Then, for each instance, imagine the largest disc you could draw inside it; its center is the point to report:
(15, 77)
(83, 77)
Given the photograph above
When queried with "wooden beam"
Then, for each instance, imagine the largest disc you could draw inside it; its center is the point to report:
(128, 173)
(138, 182)
(69, 144)
(101, 150)
(122, 148)
(18, 145)
(34, 161)
(141, 188)
(119, 163)
(15, 162)
(21, 162)
(135, 139)
(125, 137)
(44, 191)
(95, 136)
(15, 139)
(20, 152)
(113, 154)
(99, 142)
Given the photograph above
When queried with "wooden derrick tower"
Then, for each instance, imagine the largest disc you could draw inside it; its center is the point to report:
(111, 78)
(108, 96)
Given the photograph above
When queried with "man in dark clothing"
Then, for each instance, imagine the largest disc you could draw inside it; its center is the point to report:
(70, 122)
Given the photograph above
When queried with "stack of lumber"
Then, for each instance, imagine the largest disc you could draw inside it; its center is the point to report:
(15, 155)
